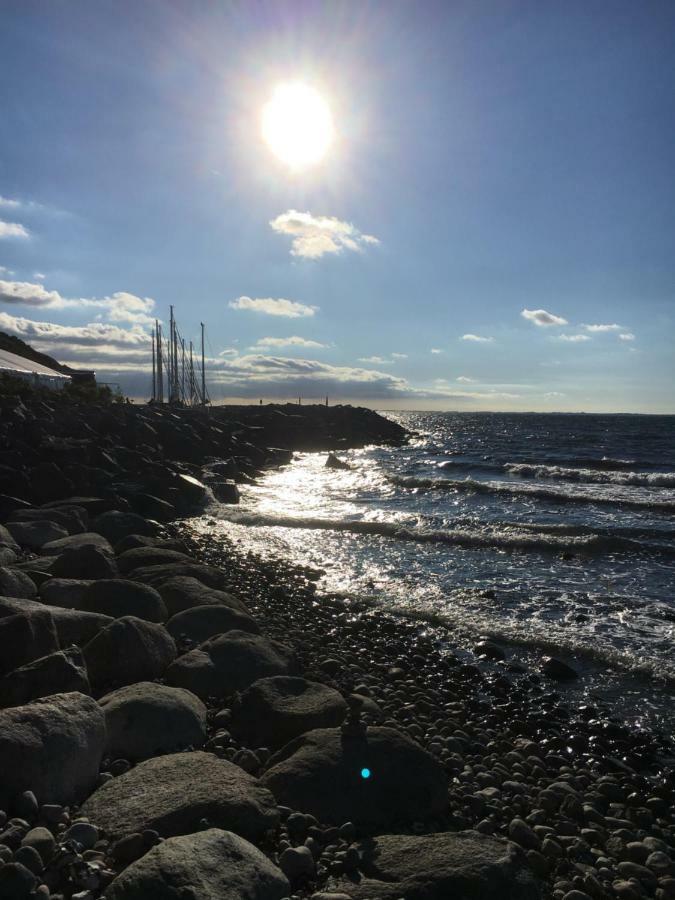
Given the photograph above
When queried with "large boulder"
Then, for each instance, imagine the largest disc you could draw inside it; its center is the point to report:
(184, 592)
(462, 864)
(72, 519)
(128, 650)
(203, 622)
(274, 711)
(377, 780)
(52, 747)
(147, 719)
(215, 864)
(119, 597)
(77, 542)
(26, 636)
(6, 539)
(229, 662)
(7, 555)
(115, 525)
(142, 557)
(86, 562)
(37, 533)
(15, 583)
(72, 625)
(62, 672)
(67, 593)
(158, 574)
(173, 794)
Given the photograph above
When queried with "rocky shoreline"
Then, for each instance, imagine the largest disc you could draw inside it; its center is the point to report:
(181, 720)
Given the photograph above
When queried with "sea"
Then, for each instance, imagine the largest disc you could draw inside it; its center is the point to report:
(548, 533)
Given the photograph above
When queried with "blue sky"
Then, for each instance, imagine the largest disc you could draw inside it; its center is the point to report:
(490, 158)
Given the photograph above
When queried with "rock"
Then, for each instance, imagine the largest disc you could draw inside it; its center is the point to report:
(7, 555)
(489, 650)
(52, 746)
(83, 562)
(30, 858)
(6, 539)
(16, 882)
(229, 662)
(556, 668)
(297, 862)
(72, 626)
(157, 575)
(203, 622)
(463, 864)
(26, 636)
(274, 711)
(72, 519)
(15, 583)
(36, 534)
(147, 719)
(142, 557)
(183, 592)
(119, 597)
(173, 794)
(42, 840)
(64, 592)
(225, 491)
(211, 865)
(521, 833)
(115, 525)
(61, 672)
(128, 650)
(334, 462)
(84, 833)
(77, 542)
(322, 773)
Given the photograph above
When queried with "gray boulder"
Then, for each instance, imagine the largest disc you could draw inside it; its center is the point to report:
(128, 650)
(83, 563)
(203, 622)
(183, 592)
(53, 747)
(15, 583)
(64, 592)
(466, 865)
(146, 719)
(72, 625)
(172, 794)
(61, 672)
(115, 525)
(118, 597)
(158, 574)
(77, 542)
(26, 636)
(322, 773)
(142, 557)
(7, 539)
(72, 519)
(7, 555)
(229, 662)
(274, 711)
(217, 865)
(36, 534)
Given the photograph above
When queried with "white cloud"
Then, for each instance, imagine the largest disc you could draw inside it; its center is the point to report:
(542, 318)
(553, 394)
(228, 351)
(399, 355)
(93, 334)
(465, 379)
(28, 293)
(12, 229)
(601, 328)
(314, 236)
(477, 339)
(268, 343)
(377, 360)
(271, 307)
(39, 275)
(10, 204)
(627, 336)
(120, 307)
(436, 350)
(573, 338)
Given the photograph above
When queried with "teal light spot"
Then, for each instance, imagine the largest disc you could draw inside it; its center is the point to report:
(365, 773)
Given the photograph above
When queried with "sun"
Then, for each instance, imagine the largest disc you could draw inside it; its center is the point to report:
(297, 125)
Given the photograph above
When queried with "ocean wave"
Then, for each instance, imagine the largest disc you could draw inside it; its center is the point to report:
(507, 538)
(592, 476)
(552, 494)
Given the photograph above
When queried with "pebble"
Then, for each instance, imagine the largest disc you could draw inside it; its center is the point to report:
(522, 834)
(42, 840)
(84, 833)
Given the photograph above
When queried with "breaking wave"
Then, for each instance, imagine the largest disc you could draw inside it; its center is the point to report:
(591, 476)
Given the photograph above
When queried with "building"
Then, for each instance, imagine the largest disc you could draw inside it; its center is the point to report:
(36, 373)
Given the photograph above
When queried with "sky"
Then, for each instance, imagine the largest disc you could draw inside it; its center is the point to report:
(492, 225)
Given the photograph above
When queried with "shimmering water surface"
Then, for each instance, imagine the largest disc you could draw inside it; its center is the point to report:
(552, 532)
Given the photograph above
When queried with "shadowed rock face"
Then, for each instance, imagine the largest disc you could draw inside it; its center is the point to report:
(119, 597)
(321, 773)
(172, 794)
(203, 622)
(128, 650)
(63, 672)
(217, 865)
(464, 865)
(26, 636)
(73, 626)
(183, 592)
(52, 747)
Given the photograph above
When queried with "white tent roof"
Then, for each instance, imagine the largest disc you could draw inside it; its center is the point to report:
(10, 362)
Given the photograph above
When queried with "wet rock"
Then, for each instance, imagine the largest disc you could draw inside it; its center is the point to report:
(77, 542)
(61, 672)
(15, 583)
(489, 650)
(144, 557)
(229, 662)
(274, 711)
(211, 865)
(26, 636)
(182, 592)
(225, 491)
(115, 525)
(119, 597)
(157, 575)
(52, 746)
(322, 773)
(146, 719)
(173, 794)
(436, 866)
(128, 650)
(203, 622)
(556, 668)
(334, 462)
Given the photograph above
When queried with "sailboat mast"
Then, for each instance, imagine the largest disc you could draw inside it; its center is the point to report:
(154, 371)
(203, 372)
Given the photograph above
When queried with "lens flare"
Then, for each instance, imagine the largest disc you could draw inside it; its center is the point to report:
(365, 773)
(297, 125)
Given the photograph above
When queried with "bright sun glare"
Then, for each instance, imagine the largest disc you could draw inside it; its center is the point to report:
(297, 125)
